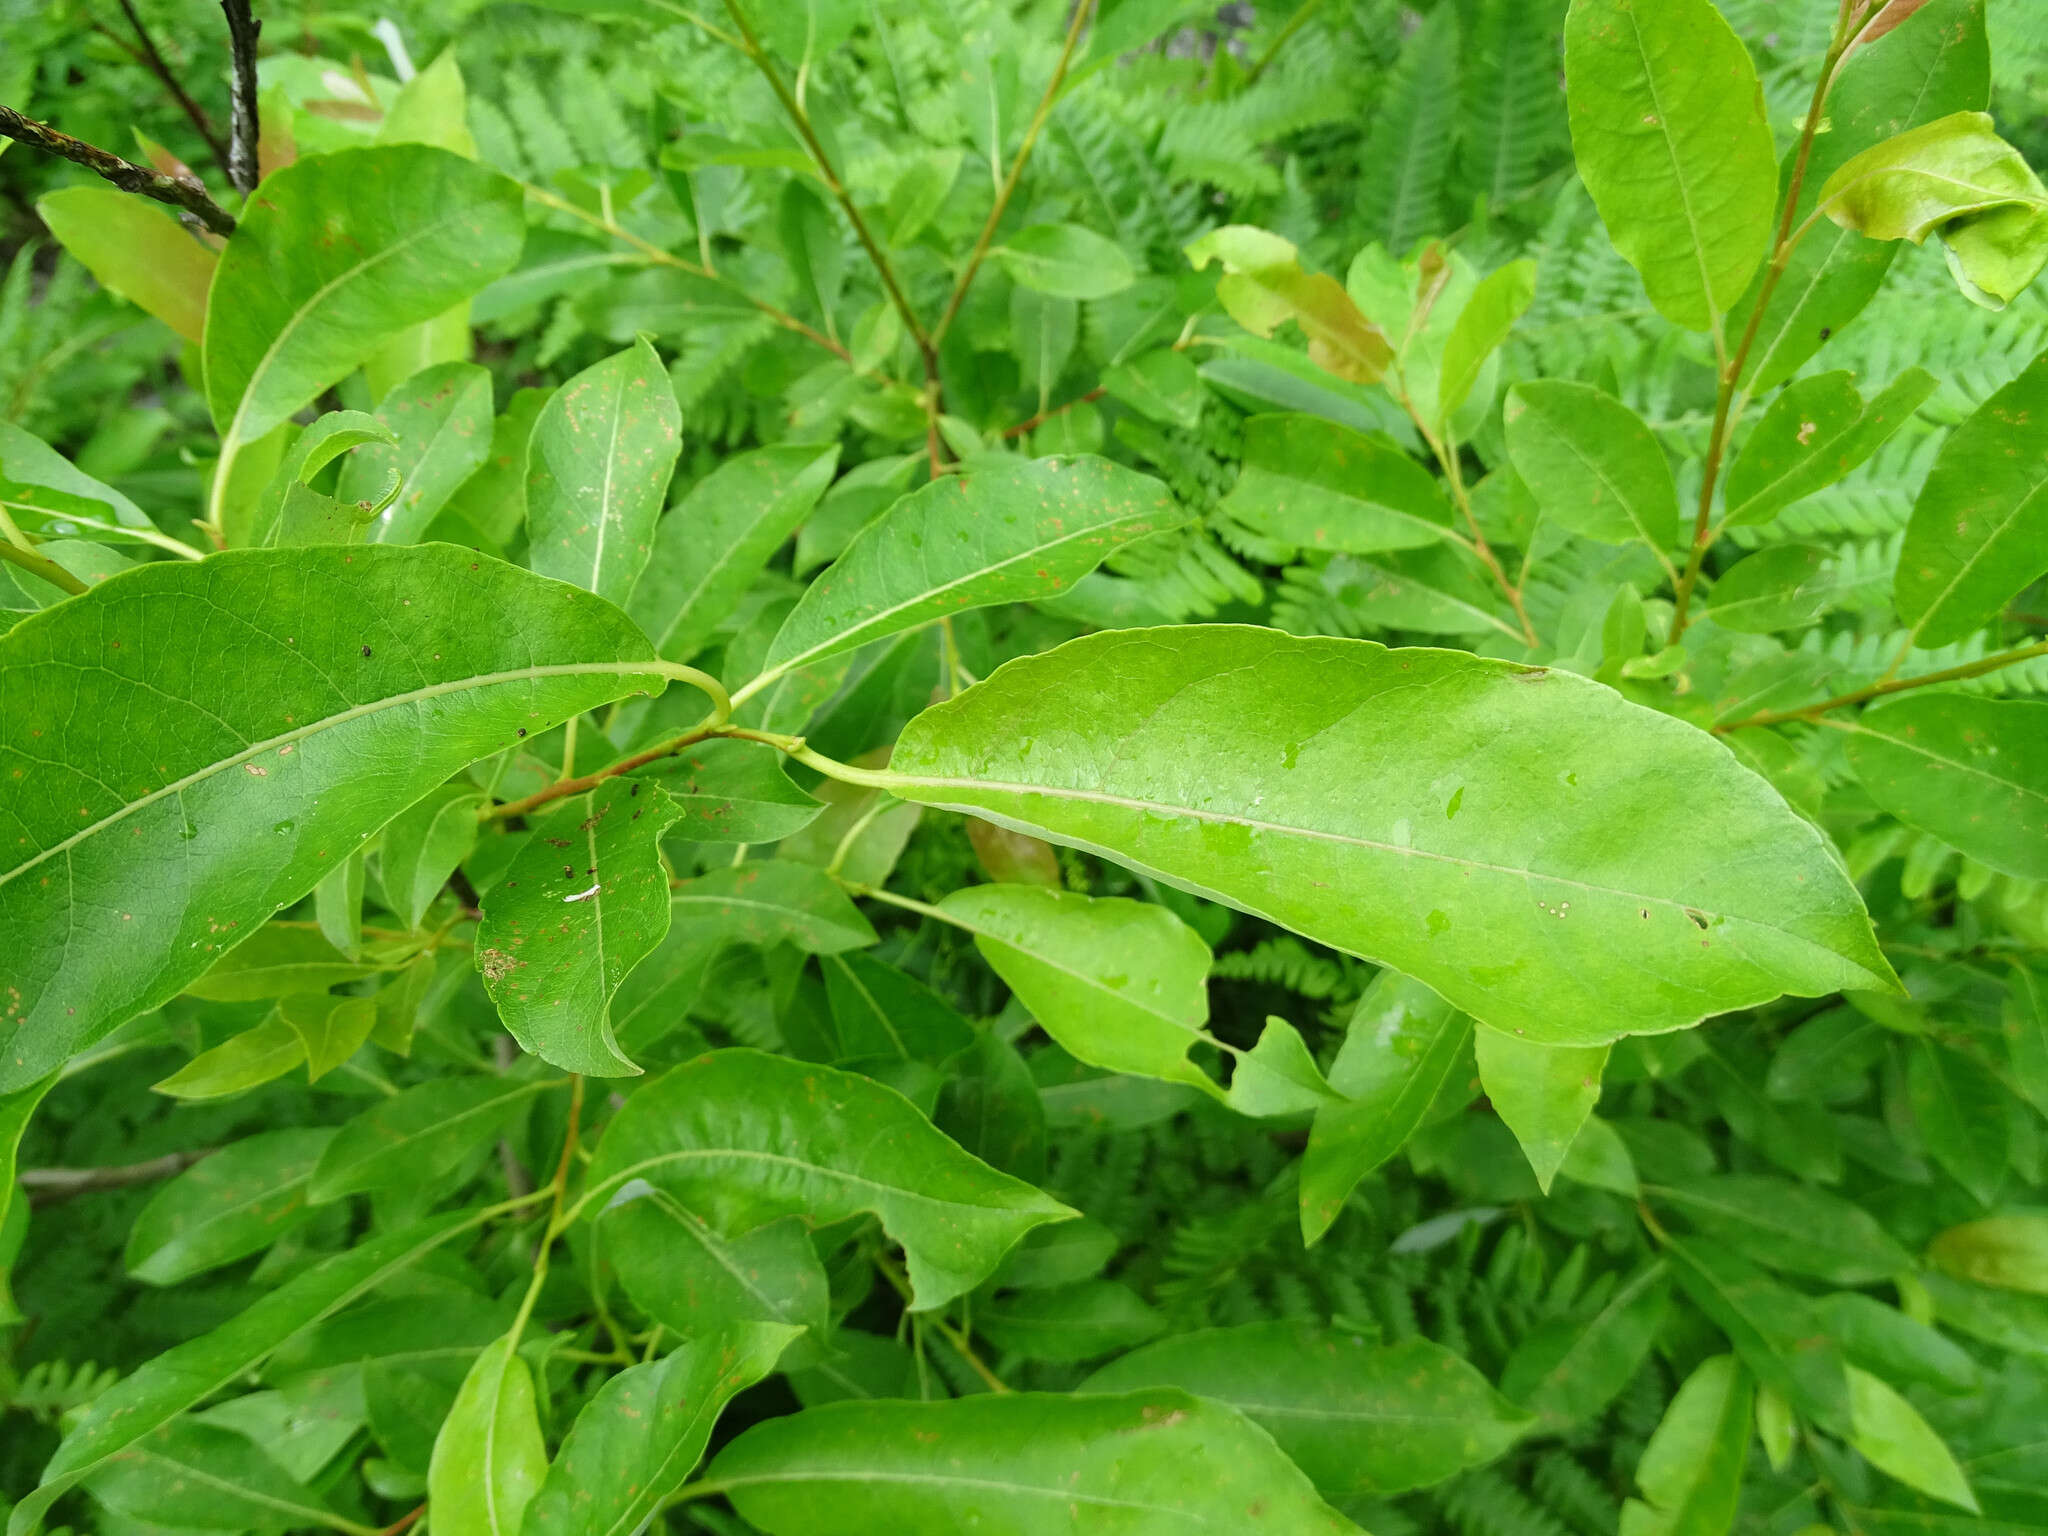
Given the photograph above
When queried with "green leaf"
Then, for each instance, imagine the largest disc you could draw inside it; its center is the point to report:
(1786, 586)
(2025, 1018)
(732, 792)
(1568, 1370)
(1162, 385)
(1600, 1158)
(639, 1438)
(597, 469)
(1773, 1329)
(1006, 533)
(1960, 1110)
(45, 494)
(1277, 1076)
(1399, 1050)
(1041, 1464)
(1042, 334)
(584, 901)
(1500, 300)
(881, 1012)
(341, 251)
(1901, 1348)
(289, 512)
(185, 1376)
(1814, 433)
(136, 249)
(1972, 771)
(1591, 464)
(1263, 285)
(417, 1137)
(236, 1202)
(277, 961)
(1120, 984)
(1543, 1092)
(2008, 1250)
(338, 906)
(1896, 1440)
(743, 1139)
(774, 901)
(15, 1110)
(1691, 1471)
(441, 418)
(694, 1280)
(1442, 590)
(1791, 1227)
(239, 1063)
(1082, 1321)
(1358, 1418)
(1067, 261)
(424, 844)
(1515, 838)
(1672, 140)
(489, 1458)
(1316, 485)
(280, 705)
(193, 1476)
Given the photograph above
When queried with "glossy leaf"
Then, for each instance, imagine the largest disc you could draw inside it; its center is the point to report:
(1482, 325)
(597, 470)
(1543, 1092)
(441, 418)
(714, 542)
(1784, 586)
(236, 1202)
(46, 494)
(1042, 1464)
(239, 1063)
(743, 1139)
(1972, 771)
(424, 844)
(1893, 1437)
(1002, 534)
(1566, 1371)
(418, 1136)
(773, 901)
(289, 511)
(631, 1448)
(1317, 485)
(732, 792)
(193, 1476)
(2008, 1250)
(1591, 464)
(1067, 261)
(275, 702)
(695, 1280)
(277, 961)
(1359, 1418)
(1772, 1328)
(1082, 1321)
(341, 251)
(1979, 532)
(1399, 1050)
(1264, 285)
(584, 901)
(1791, 1227)
(1691, 1471)
(489, 1458)
(879, 1011)
(1672, 140)
(1814, 433)
(136, 249)
(1487, 859)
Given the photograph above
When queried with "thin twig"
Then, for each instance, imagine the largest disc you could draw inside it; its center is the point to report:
(154, 62)
(125, 174)
(1082, 10)
(403, 1523)
(243, 30)
(48, 1185)
(1886, 688)
(1059, 410)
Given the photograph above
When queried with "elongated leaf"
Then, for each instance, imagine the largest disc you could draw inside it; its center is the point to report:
(281, 704)
(1082, 1321)
(733, 792)
(277, 961)
(1691, 1471)
(695, 1280)
(1900, 1348)
(1041, 1464)
(1893, 1437)
(1814, 433)
(631, 1448)
(1264, 285)
(1543, 1092)
(1399, 1049)
(183, 1377)
(44, 493)
(239, 1063)
(742, 1139)
(1004, 534)
(441, 417)
(1960, 1110)
(2009, 1250)
(1120, 984)
(583, 902)
(1791, 1227)
(136, 249)
(1773, 1329)
(237, 1202)
(417, 1137)
(1358, 1418)
(1671, 136)
(1979, 532)
(489, 1457)
(193, 1476)
(713, 543)
(1317, 485)
(2026, 1035)
(423, 845)
(1066, 261)
(1482, 325)
(15, 1109)
(1972, 771)
(1591, 464)
(1785, 586)
(597, 469)
(881, 1012)
(289, 511)
(1509, 836)
(773, 901)
(1566, 1371)
(341, 251)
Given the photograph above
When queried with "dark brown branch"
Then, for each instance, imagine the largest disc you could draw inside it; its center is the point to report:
(243, 30)
(46, 1185)
(125, 174)
(154, 61)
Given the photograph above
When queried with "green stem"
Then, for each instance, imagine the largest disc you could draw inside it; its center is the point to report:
(1888, 687)
(40, 565)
